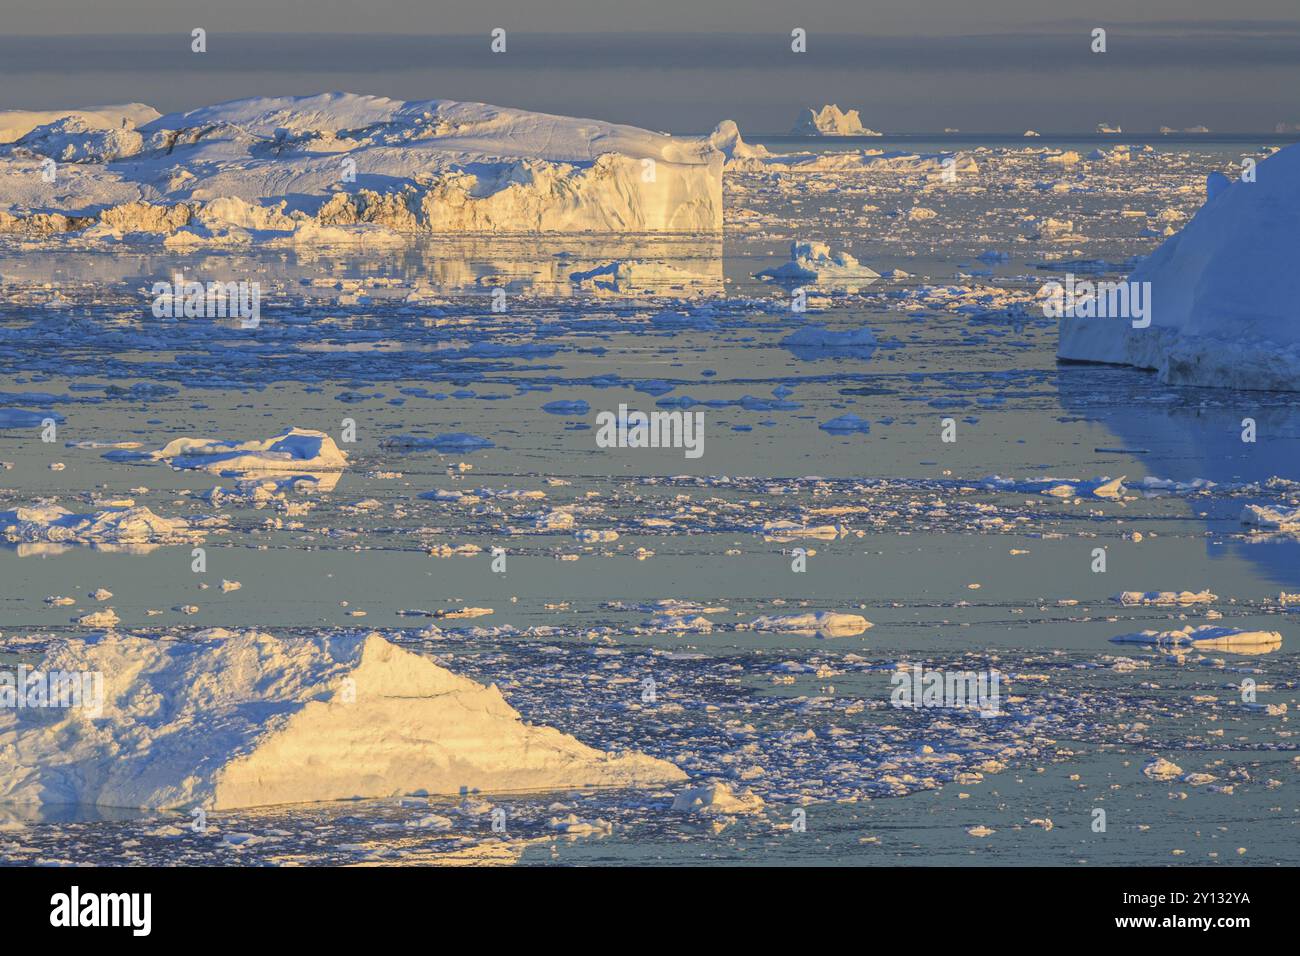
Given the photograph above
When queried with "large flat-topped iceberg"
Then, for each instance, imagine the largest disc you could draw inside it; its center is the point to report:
(1224, 294)
(296, 164)
(241, 720)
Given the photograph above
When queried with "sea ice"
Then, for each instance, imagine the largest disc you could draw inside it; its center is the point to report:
(1205, 636)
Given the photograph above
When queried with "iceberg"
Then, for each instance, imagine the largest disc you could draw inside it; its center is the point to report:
(814, 261)
(831, 121)
(1224, 292)
(232, 720)
(312, 168)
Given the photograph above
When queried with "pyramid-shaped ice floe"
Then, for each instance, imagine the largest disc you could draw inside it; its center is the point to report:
(248, 719)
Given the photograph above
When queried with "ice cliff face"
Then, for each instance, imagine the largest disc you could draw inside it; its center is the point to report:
(293, 165)
(1224, 291)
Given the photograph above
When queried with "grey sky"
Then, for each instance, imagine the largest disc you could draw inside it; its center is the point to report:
(1000, 65)
(926, 17)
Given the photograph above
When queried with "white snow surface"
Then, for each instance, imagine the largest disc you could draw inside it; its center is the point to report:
(247, 719)
(1225, 293)
(281, 165)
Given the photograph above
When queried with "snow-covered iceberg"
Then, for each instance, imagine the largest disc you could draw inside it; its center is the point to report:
(314, 167)
(248, 719)
(830, 121)
(1224, 294)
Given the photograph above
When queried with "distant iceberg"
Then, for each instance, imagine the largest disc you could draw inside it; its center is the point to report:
(831, 121)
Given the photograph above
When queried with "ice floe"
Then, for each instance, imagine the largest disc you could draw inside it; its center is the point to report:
(127, 528)
(1208, 636)
(819, 623)
(298, 451)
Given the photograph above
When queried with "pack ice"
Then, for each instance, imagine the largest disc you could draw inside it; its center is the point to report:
(247, 719)
(316, 167)
(1224, 294)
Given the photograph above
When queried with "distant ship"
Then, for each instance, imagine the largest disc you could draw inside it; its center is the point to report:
(1105, 128)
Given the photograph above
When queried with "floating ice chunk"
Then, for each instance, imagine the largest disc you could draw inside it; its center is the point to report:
(298, 451)
(1158, 768)
(820, 623)
(848, 424)
(814, 343)
(105, 618)
(815, 261)
(122, 528)
(1164, 597)
(250, 719)
(570, 408)
(555, 521)
(718, 798)
(1207, 636)
(458, 442)
(783, 530)
(25, 418)
(1272, 519)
